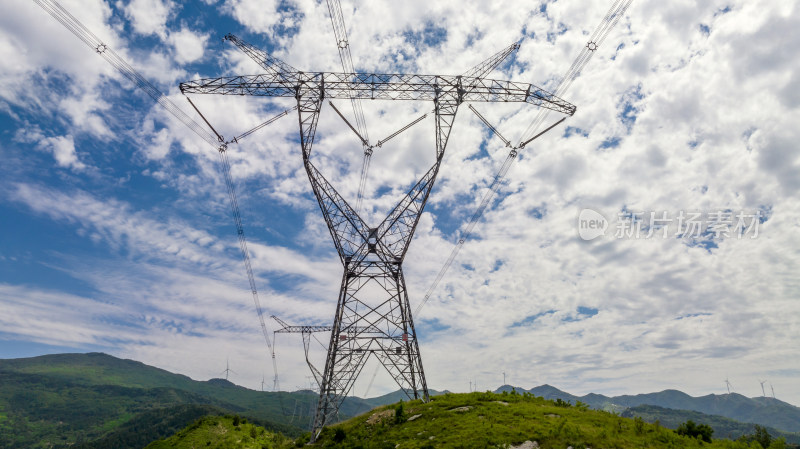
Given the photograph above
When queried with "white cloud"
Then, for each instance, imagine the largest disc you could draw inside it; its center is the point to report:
(257, 15)
(28, 52)
(701, 120)
(189, 46)
(120, 227)
(63, 149)
(85, 114)
(57, 319)
(149, 16)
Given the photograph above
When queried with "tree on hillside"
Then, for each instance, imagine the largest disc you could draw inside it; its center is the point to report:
(761, 436)
(702, 431)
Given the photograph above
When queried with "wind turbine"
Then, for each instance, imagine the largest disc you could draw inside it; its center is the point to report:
(762, 382)
(228, 369)
(773, 390)
(504, 377)
(728, 384)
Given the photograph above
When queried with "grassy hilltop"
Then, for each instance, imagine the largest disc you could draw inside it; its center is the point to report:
(473, 420)
(95, 401)
(478, 420)
(223, 432)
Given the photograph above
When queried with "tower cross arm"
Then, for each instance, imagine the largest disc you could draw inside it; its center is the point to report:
(381, 86)
(270, 63)
(303, 329)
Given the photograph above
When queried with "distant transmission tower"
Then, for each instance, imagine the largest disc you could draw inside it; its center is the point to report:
(373, 316)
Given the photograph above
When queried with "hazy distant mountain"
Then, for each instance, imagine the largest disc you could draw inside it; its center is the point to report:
(759, 410)
(723, 427)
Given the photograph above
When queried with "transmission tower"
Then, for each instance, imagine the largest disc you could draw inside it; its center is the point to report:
(373, 316)
(307, 332)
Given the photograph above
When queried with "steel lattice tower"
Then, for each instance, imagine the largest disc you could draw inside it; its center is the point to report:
(373, 316)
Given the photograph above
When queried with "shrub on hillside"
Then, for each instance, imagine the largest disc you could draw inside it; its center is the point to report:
(399, 415)
(702, 431)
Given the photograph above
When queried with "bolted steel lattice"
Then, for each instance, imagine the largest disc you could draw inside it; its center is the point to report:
(373, 317)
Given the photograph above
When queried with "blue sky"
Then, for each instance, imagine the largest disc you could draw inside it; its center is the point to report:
(118, 236)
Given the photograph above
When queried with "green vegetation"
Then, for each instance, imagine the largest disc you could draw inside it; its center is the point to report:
(723, 427)
(765, 411)
(96, 369)
(761, 436)
(149, 426)
(98, 401)
(46, 412)
(223, 432)
(95, 401)
(477, 420)
(701, 431)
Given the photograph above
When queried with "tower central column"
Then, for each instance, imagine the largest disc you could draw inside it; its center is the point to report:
(373, 314)
(373, 318)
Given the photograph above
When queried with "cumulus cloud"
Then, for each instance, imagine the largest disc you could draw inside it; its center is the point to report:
(257, 16)
(189, 46)
(149, 16)
(684, 107)
(63, 149)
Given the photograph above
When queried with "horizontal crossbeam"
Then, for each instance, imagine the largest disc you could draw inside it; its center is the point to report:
(379, 86)
(303, 329)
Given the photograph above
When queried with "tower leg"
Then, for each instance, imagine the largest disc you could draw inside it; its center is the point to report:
(373, 318)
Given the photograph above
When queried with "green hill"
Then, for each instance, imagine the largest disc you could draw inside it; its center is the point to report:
(477, 420)
(223, 432)
(99, 401)
(41, 411)
(96, 400)
(723, 427)
(103, 369)
(759, 410)
(150, 425)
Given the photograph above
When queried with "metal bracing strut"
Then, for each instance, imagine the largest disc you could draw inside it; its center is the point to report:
(373, 316)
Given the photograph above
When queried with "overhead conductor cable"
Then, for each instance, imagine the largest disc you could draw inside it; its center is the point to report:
(77, 28)
(343, 45)
(600, 33)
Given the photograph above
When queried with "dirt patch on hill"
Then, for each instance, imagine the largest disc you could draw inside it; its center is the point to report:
(377, 417)
(526, 445)
(465, 408)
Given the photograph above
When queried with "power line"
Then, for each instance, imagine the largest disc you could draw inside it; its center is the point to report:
(343, 45)
(600, 33)
(77, 28)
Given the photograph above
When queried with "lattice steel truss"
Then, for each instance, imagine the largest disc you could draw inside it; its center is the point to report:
(373, 317)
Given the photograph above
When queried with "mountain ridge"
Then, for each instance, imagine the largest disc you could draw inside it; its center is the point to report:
(759, 410)
(40, 397)
(63, 400)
